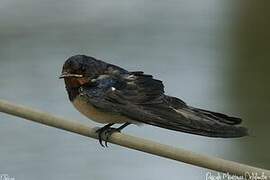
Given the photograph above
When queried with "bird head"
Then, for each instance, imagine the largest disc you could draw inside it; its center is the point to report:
(80, 69)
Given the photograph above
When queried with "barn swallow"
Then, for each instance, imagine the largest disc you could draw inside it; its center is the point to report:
(109, 94)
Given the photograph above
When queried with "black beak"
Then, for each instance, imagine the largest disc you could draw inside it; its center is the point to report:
(66, 75)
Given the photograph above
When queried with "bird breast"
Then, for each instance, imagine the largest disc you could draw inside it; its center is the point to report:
(95, 114)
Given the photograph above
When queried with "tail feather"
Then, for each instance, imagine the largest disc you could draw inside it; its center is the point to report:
(220, 117)
(198, 121)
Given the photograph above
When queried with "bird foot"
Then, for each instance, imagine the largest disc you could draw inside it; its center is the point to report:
(105, 133)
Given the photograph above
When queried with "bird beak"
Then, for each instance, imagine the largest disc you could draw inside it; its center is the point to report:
(66, 74)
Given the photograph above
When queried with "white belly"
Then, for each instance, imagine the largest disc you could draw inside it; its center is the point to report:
(96, 115)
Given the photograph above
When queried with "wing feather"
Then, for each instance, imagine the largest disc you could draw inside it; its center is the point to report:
(142, 99)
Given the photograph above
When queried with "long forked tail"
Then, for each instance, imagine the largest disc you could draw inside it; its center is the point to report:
(220, 125)
(197, 121)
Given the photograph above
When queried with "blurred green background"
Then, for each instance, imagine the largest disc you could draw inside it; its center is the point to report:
(212, 54)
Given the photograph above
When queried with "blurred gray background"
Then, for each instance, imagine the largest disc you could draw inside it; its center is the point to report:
(212, 54)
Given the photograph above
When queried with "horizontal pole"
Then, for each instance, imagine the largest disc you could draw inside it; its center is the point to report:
(139, 144)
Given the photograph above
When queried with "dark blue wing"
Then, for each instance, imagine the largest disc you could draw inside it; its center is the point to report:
(142, 99)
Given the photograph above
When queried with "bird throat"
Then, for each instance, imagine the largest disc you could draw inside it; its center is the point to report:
(73, 85)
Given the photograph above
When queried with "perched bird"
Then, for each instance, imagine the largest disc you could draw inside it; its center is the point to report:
(110, 94)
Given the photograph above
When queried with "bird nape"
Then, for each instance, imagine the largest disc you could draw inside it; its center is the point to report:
(109, 94)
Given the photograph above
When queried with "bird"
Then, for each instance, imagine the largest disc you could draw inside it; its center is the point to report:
(109, 94)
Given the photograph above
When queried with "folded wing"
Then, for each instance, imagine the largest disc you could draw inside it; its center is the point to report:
(142, 99)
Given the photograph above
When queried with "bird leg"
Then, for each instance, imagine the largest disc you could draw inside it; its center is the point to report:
(108, 131)
(103, 130)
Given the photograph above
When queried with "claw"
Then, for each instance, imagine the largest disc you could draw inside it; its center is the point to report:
(108, 134)
(107, 130)
(102, 130)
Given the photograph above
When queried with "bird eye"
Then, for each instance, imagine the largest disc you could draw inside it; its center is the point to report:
(83, 68)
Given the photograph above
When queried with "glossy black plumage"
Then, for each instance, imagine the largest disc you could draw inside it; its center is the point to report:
(140, 98)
